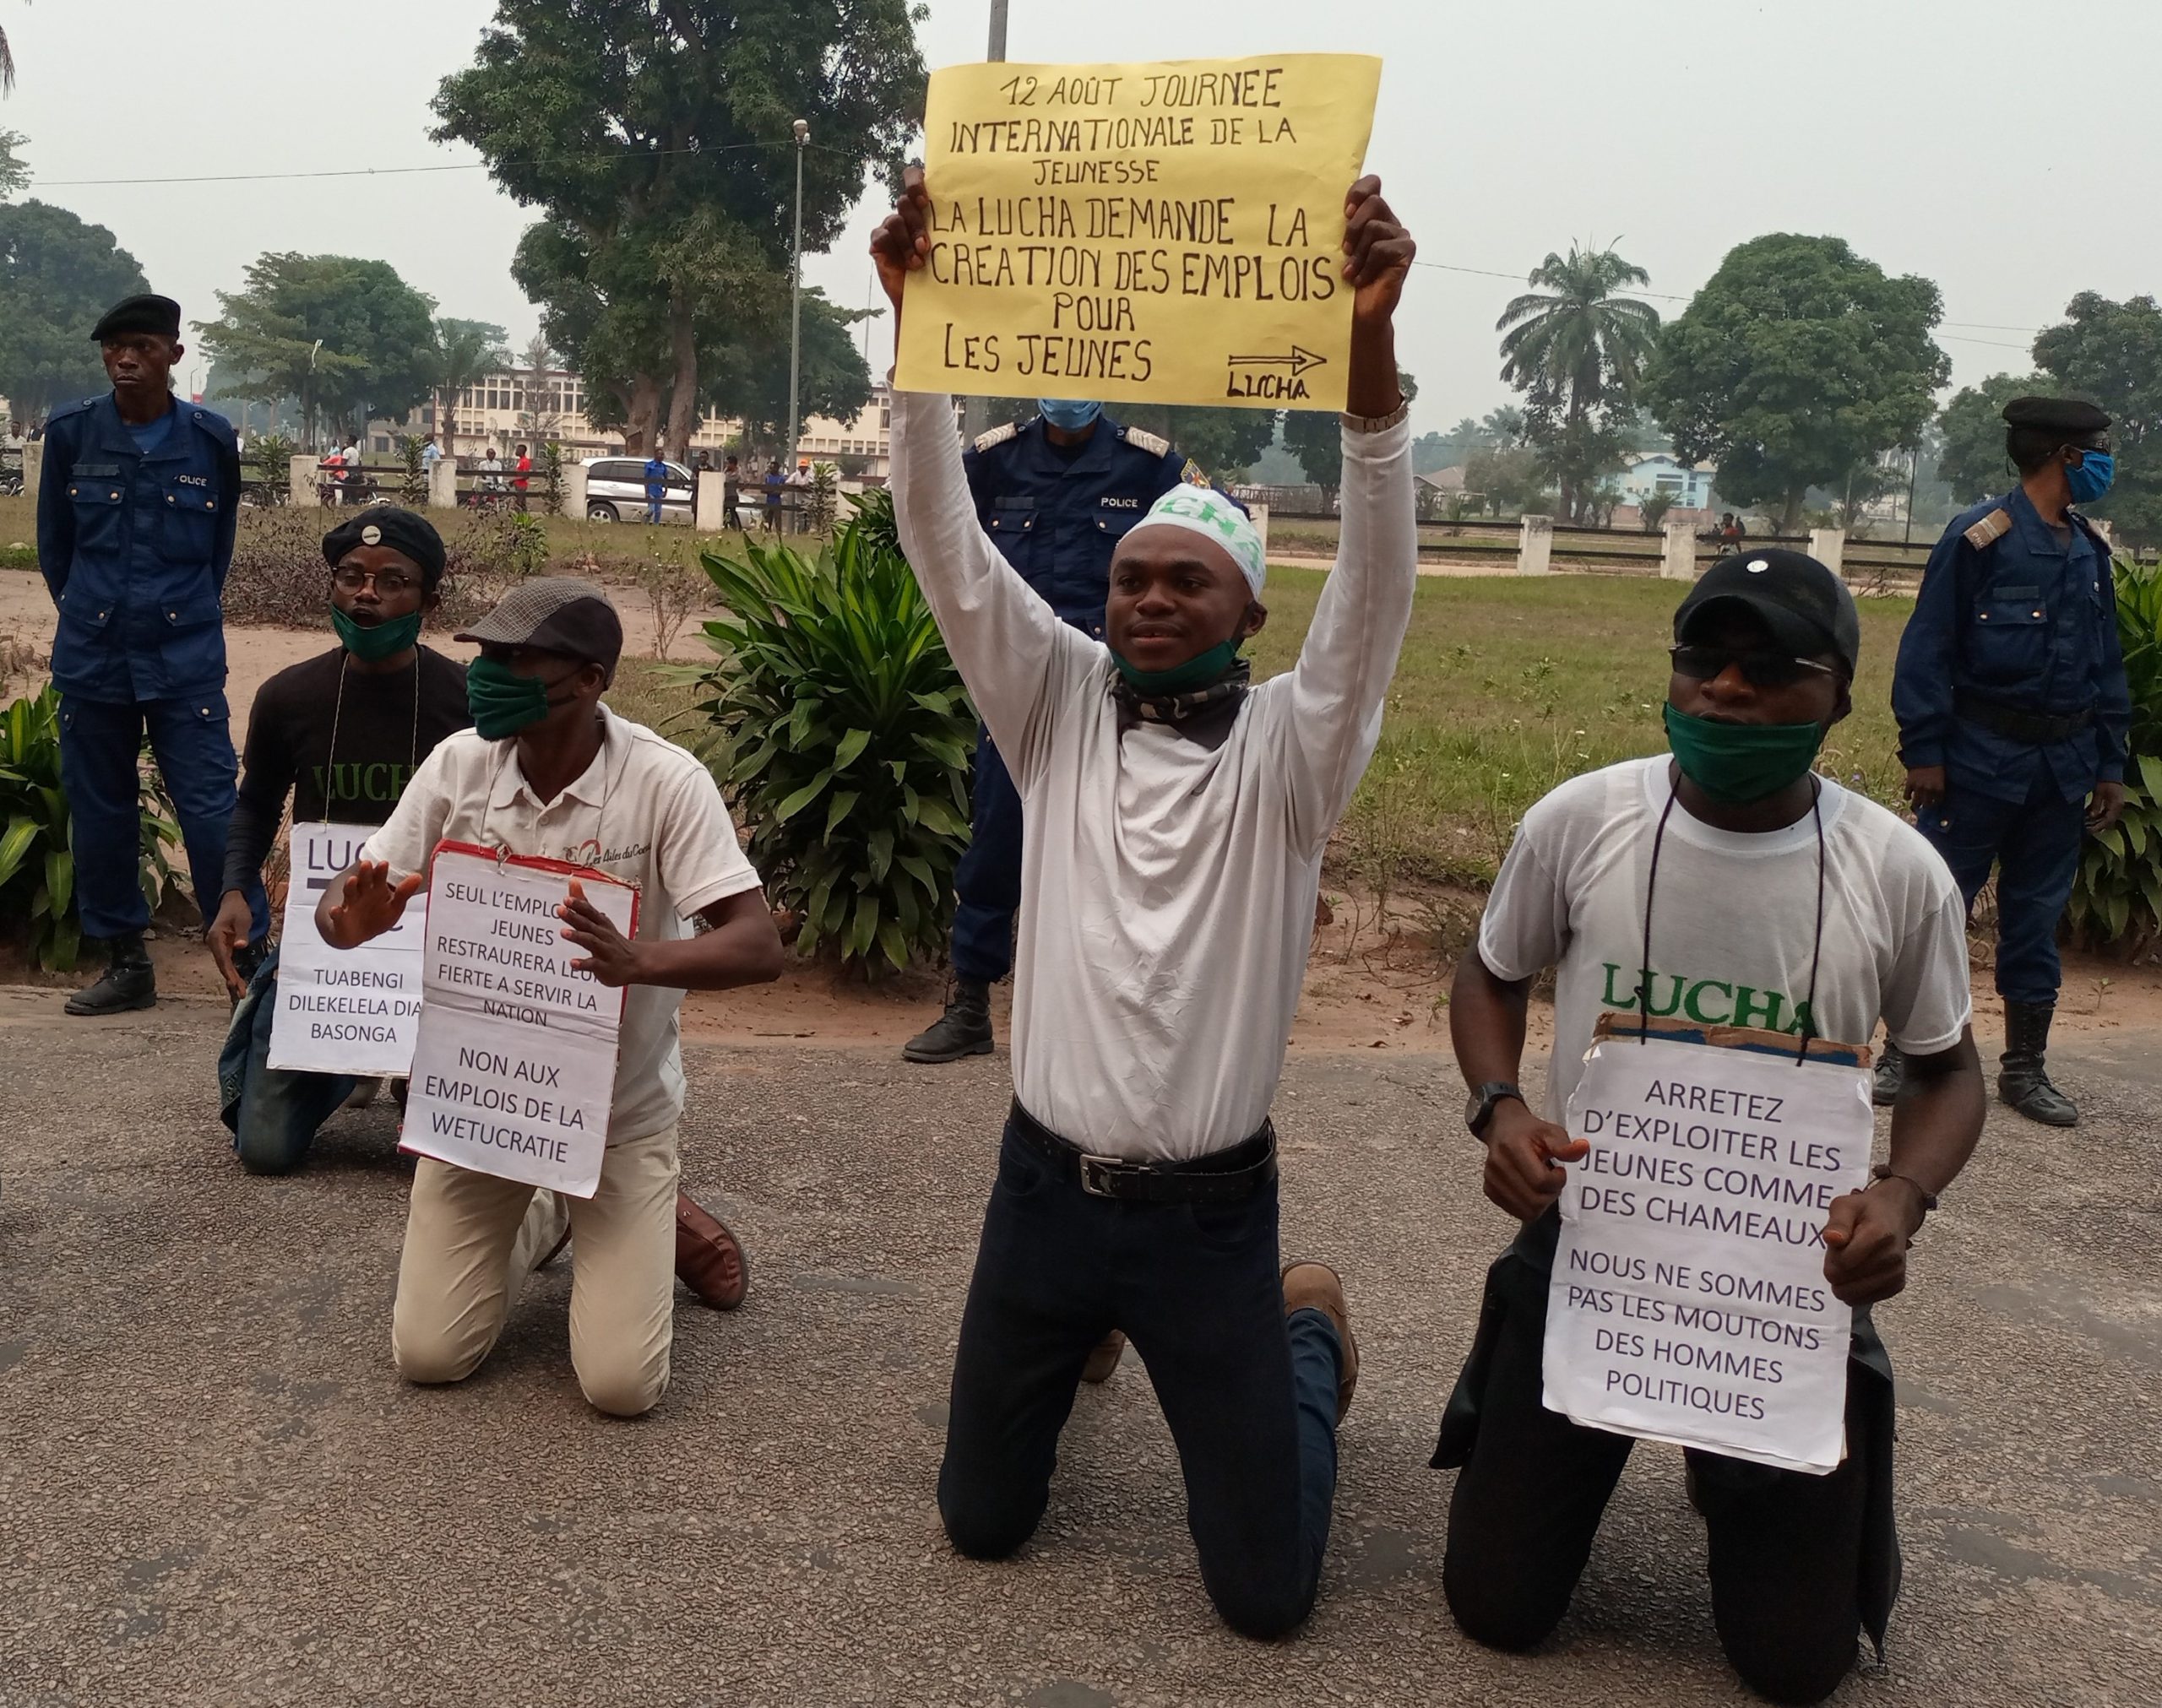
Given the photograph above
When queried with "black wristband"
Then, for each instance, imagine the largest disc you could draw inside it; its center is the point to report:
(1883, 1171)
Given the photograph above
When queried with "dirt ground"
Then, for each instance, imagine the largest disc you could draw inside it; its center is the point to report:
(1374, 982)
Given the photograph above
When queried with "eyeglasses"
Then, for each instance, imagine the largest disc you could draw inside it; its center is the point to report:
(1760, 668)
(389, 582)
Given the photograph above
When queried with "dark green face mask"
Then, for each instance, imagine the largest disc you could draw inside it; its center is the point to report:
(1196, 672)
(370, 642)
(1734, 763)
(503, 702)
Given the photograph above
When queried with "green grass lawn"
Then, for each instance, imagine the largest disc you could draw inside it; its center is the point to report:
(1506, 688)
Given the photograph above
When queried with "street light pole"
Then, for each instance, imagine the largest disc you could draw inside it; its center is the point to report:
(796, 299)
(975, 411)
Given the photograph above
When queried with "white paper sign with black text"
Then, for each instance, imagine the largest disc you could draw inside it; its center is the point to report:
(516, 1069)
(1688, 1302)
(342, 1011)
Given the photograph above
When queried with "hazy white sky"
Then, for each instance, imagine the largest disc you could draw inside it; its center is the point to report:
(1916, 129)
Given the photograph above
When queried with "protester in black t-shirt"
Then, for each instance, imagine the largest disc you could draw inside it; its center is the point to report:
(341, 733)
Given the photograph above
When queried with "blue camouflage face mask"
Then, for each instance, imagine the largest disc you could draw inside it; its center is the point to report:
(2090, 478)
(1070, 415)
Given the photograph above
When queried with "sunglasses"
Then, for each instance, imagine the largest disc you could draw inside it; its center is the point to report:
(1760, 668)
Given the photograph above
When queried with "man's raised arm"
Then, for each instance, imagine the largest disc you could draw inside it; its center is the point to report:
(1350, 650)
(1012, 650)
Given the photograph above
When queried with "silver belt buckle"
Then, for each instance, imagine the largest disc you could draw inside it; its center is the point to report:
(1097, 1173)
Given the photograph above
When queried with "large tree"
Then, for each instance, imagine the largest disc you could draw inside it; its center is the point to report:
(747, 375)
(1972, 464)
(655, 136)
(57, 275)
(1798, 362)
(347, 337)
(465, 353)
(1577, 348)
(2110, 354)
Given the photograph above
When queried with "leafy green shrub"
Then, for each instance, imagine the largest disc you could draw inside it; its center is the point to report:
(267, 474)
(845, 737)
(2117, 899)
(37, 862)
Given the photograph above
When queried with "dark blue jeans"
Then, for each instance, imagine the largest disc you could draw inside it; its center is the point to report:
(1250, 1397)
(987, 881)
(2035, 848)
(274, 1112)
(192, 740)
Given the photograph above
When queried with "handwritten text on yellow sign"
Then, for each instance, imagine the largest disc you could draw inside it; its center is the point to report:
(1169, 233)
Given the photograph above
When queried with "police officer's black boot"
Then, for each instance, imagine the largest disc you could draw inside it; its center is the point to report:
(128, 983)
(1890, 1067)
(2023, 1080)
(963, 1029)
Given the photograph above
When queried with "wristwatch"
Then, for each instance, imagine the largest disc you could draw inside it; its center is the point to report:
(1378, 424)
(1480, 1109)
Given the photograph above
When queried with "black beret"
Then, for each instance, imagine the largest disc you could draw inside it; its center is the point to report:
(158, 314)
(386, 524)
(2068, 416)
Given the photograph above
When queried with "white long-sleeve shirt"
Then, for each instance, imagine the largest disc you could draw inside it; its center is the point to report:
(1167, 885)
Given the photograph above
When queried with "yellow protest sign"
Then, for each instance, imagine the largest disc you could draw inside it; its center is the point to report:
(1168, 233)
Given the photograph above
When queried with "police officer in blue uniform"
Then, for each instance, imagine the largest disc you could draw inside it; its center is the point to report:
(2014, 712)
(135, 520)
(1056, 493)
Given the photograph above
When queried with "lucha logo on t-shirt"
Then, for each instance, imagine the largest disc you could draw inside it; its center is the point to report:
(1707, 1001)
(384, 781)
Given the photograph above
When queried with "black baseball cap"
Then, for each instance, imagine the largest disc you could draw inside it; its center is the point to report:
(158, 314)
(1804, 606)
(555, 614)
(400, 529)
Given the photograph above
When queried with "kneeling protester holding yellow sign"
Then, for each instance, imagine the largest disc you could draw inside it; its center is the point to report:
(566, 852)
(1702, 1233)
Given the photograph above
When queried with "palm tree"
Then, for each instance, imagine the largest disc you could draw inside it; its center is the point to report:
(467, 352)
(6, 62)
(1575, 346)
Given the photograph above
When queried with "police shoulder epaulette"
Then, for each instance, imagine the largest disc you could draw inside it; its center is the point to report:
(996, 437)
(1147, 442)
(1994, 526)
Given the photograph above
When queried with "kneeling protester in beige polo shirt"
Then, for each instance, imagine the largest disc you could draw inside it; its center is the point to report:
(549, 771)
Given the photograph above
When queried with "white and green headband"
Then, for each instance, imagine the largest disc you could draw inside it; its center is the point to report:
(1204, 511)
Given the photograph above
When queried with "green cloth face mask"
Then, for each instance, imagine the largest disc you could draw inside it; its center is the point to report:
(371, 643)
(1735, 763)
(503, 702)
(1196, 672)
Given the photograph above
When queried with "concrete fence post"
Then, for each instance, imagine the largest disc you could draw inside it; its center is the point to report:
(33, 468)
(442, 484)
(572, 501)
(1829, 545)
(300, 490)
(1677, 558)
(707, 514)
(1535, 545)
(2107, 530)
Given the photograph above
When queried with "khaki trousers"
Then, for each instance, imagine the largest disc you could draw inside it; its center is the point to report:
(471, 1240)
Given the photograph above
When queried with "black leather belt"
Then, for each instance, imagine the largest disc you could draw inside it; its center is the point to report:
(2038, 728)
(1226, 1177)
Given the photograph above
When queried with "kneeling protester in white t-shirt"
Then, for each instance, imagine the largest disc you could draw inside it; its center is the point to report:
(1730, 892)
(547, 770)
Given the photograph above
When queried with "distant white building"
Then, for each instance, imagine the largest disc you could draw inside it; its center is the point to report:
(1662, 474)
(527, 406)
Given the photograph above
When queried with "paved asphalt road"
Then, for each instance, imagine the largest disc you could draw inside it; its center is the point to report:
(212, 1490)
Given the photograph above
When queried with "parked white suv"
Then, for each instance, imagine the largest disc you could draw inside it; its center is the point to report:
(615, 490)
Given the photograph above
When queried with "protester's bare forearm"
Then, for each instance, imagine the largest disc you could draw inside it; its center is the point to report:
(1487, 1022)
(1372, 388)
(742, 949)
(1938, 1118)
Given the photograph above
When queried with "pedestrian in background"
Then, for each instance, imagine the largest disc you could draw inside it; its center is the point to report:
(2013, 713)
(656, 486)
